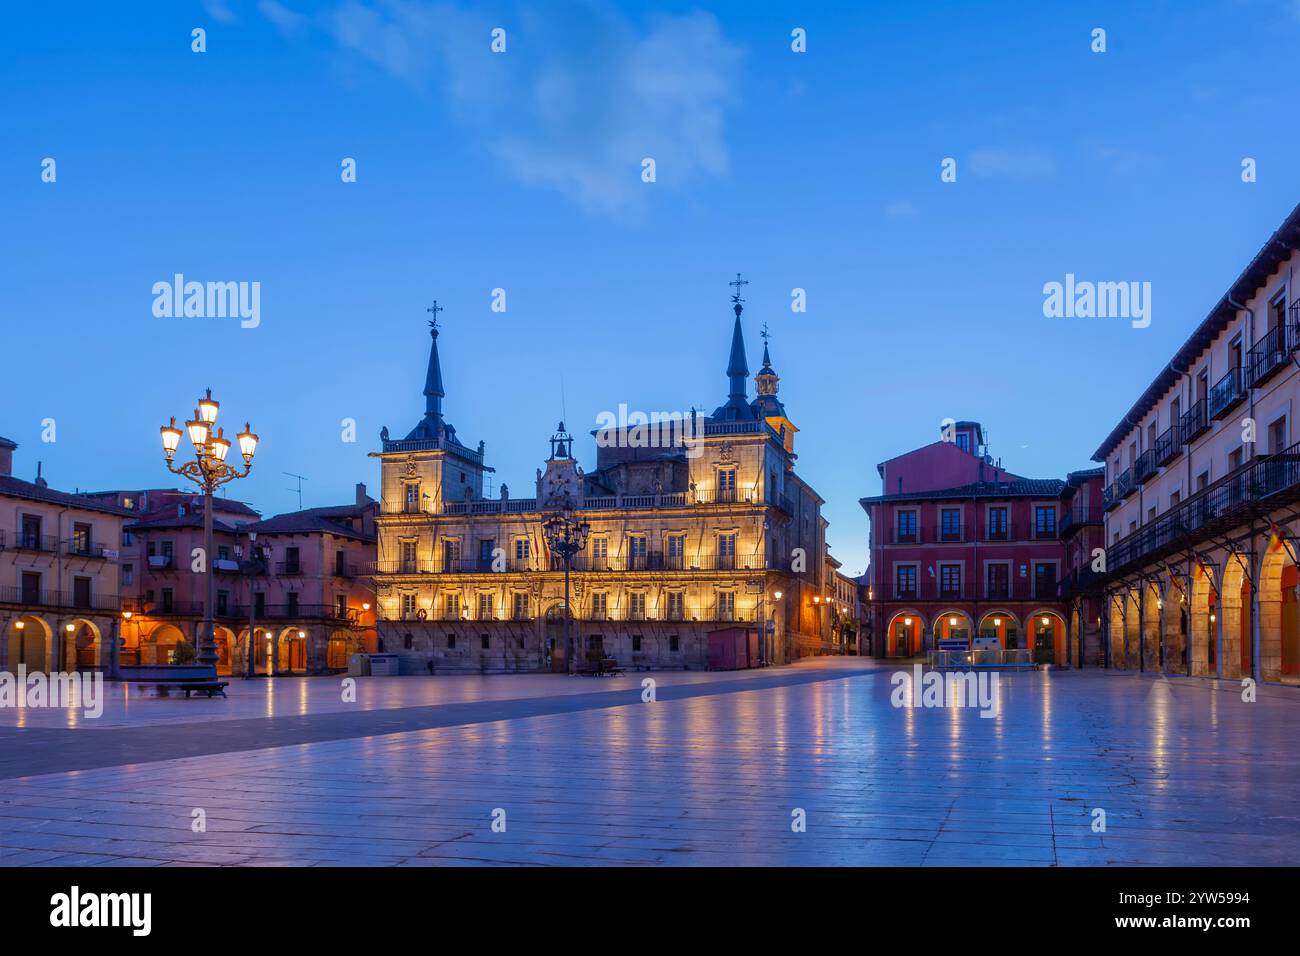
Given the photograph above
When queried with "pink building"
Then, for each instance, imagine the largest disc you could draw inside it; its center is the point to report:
(963, 549)
(298, 577)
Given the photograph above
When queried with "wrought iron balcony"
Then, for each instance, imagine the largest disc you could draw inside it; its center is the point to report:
(30, 541)
(1145, 466)
(1255, 488)
(1168, 446)
(1072, 519)
(1227, 394)
(288, 568)
(85, 549)
(1270, 353)
(1194, 422)
(1124, 483)
(43, 597)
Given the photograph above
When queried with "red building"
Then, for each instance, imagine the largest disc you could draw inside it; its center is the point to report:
(963, 549)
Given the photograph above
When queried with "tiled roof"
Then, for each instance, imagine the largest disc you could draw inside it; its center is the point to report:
(191, 519)
(17, 488)
(328, 520)
(1019, 488)
(6, 443)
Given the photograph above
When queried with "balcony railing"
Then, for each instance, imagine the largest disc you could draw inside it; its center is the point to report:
(1270, 353)
(1255, 488)
(25, 541)
(85, 549)
(653, 561)
(1145, 466)
(1194, 421)
(1168, 446)
(1228, 393)
(910, 535)
(1072, 519)
(288, 568)
(42, 597)
(1046, 532)
(160, 562)
(674, 499)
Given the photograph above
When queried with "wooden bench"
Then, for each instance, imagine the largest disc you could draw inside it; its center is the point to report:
(600, 667)
(207, 687)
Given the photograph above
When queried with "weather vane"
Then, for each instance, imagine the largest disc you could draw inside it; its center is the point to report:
(764, 334)
(738, 282)
(435, 309)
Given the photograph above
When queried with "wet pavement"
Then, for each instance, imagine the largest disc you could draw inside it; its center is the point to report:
(714, 771)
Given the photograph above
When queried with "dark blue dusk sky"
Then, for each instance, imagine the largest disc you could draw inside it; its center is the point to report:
(522, 171)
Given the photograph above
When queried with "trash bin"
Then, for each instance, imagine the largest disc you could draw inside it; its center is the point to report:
(358, 665)
(383, 665)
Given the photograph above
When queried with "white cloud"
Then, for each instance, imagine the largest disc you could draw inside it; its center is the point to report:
(219, 10)
(581, 96)
(287, 20)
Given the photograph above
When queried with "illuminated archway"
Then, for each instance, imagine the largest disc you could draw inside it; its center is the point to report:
(952, 626)
(1279, 614)
(1234, 605)
(903, 636)
(1201, 621)
(225, 639)
(1115, 603)
(291, 655)
(342, 645)
(1003, 626)
(1152, 633)
(30, 643)
(159, 645)
(1047, 637)
(82, 645)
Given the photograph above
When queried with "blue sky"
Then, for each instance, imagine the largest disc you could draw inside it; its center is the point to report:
(522, 171)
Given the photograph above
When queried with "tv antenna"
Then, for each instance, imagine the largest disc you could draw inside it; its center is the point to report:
(301, 479)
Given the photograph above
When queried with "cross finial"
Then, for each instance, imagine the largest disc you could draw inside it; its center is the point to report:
(738, 282)
(764, 334)
(434, 309)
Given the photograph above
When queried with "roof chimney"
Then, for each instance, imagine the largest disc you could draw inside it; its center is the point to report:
(7, 456)
(362, 497)
(40, 482)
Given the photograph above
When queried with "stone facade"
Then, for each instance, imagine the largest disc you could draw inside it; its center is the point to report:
(697, 527)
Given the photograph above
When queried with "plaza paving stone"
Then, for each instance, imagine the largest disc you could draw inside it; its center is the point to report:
(410, 774)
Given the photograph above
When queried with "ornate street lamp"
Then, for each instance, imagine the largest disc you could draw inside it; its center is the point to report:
(566, 536)
(208, 470)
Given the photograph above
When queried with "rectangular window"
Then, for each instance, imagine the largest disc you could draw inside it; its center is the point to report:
(905, 582)
(672, 644)
(81, 538)
(223, 603)
(636, 606)
(949, 581)
(906, 528)
(1044, 581)
(408, 557)
(726, 484)
(599, 605)
(599, 554)
(167, 603)
(128, 574)
(451, 642)
(675, 545)
(676, 605)
(998, 528)
(726, 605)
(485, 642)
(950, 524)
(999, 582)
(411, 501)
(485, 607)
(522, 552)
(292, 598)
(726, 551)
(636, 552)
(1045, 522)
(340, 606)
(292, 559)
(521, 606)
(486, 546)
(408, 605)
(81, 594)
(636, 643)
(451, 605)
(450, 554)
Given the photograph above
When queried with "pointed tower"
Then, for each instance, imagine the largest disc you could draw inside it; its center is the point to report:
(767, 405)
(435, 465)
(737, 407)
